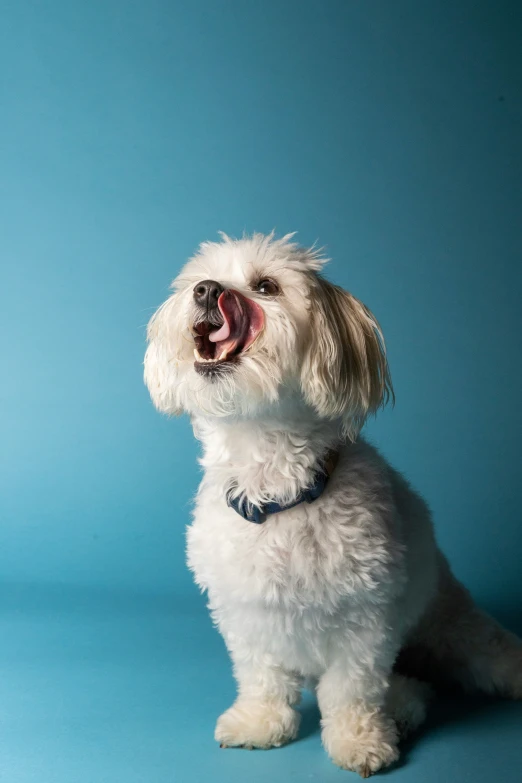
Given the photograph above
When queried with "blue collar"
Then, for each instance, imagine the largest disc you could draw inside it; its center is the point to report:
(258, 514)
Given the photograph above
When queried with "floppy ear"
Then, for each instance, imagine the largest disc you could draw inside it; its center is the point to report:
(345, 372)
(162, 359)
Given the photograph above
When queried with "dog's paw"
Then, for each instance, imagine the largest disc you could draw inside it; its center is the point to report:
(406, 703)
(254, 724)
(361, 742)
(512, 672)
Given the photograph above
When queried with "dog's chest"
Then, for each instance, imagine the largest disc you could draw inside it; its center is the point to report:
(297, 586)
(298, 559)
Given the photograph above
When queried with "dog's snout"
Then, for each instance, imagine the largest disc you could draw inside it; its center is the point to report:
(207, 293)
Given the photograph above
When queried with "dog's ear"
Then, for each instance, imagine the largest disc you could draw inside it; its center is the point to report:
(162, 358)
(344, 373)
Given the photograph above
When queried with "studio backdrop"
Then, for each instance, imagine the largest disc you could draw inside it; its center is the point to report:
(387, 132)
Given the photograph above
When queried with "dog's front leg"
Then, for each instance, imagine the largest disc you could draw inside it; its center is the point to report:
(356, 732)
(261, 716)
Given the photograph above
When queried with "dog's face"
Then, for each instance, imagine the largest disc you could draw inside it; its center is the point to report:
(250, 322)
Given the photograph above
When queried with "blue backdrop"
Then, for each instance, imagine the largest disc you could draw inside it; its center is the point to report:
(130, 131)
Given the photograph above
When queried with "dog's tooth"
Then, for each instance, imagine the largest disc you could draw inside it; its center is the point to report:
(199, 357)
(223, 355)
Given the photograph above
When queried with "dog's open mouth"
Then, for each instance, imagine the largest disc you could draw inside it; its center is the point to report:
(218, 346)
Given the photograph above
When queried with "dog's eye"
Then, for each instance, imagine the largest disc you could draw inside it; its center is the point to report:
(267, 286)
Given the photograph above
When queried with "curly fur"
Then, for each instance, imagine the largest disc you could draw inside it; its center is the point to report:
(337, 590)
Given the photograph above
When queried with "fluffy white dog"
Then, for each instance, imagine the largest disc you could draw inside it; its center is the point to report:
(318, 558)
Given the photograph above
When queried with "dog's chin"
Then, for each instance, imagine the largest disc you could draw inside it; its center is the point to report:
(216, 370)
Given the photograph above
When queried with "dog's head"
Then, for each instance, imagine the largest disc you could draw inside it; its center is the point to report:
(251, 322)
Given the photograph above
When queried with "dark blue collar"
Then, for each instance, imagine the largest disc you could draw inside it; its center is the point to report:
(258, 514)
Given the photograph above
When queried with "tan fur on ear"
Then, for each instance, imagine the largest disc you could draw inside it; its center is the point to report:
(345, 372)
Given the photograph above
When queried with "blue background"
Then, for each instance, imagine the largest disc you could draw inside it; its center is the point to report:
(130, 131)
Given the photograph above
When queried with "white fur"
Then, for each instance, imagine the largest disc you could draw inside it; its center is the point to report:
(332, 590)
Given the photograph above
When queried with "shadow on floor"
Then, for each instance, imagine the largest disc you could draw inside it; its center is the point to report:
(446, 712)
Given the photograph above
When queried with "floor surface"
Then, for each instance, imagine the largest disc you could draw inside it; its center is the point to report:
(107, 687)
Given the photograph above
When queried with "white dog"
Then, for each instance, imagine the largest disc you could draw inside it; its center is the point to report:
(319, 559)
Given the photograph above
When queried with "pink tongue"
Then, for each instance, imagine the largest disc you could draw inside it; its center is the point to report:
(232, 310)
(223, 333)
(242, 321)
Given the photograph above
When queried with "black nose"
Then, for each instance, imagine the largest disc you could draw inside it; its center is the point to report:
(207, 293)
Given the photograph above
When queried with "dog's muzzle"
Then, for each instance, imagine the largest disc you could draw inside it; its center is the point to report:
(229, 324)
